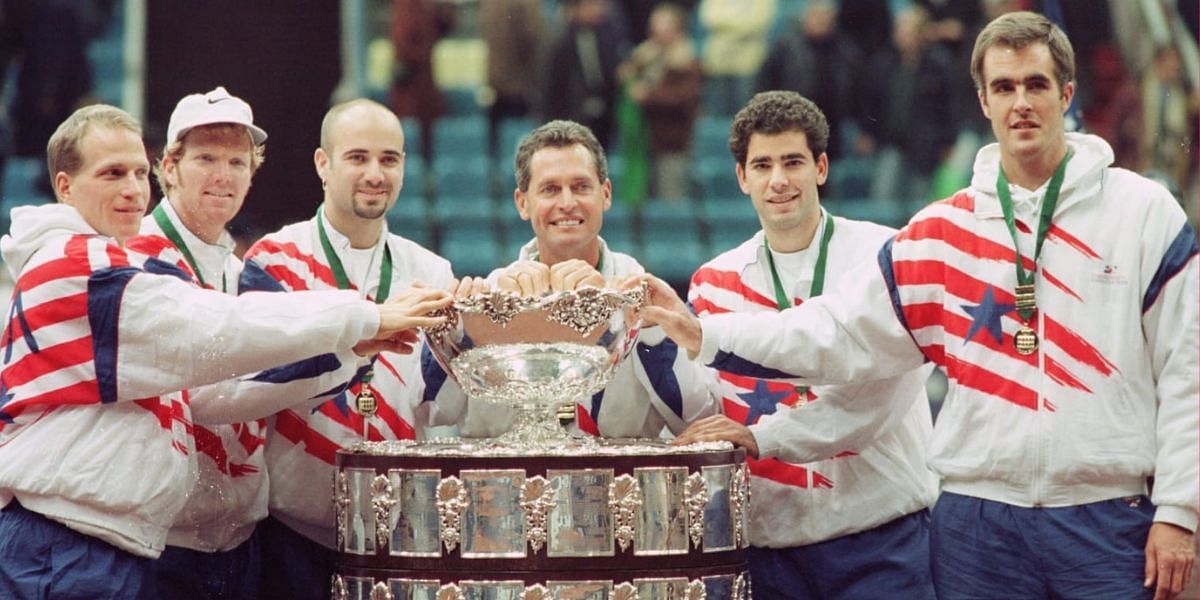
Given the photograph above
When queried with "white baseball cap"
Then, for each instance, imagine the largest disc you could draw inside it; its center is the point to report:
(217, 106)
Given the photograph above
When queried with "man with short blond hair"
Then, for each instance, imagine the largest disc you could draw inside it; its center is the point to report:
(97, 452)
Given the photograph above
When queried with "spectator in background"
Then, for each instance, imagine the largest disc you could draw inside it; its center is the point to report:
(416, 27)
(867, 22)
(584, 61)
(819, 62)
(664, 78)
(1168, 137)
(735, 47)
(54, 76)
(909, 111)
(512, 31)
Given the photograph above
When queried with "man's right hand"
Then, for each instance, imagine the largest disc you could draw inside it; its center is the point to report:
(409, 310)
(525, 277)
(467, 286)
(664, 308)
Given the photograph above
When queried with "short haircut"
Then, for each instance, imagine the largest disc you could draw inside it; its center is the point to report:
(335, 112)
(62, 151)
(558, 134)
(175, 148)
(776, 112)
(1017, 30)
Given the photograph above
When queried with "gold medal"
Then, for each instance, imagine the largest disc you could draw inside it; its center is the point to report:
(1025, 340)
(365, 402)
(801, 395)
(1025, 297)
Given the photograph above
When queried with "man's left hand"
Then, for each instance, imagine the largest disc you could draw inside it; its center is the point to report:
(719, 428)
(571, 274)
(1170, 552)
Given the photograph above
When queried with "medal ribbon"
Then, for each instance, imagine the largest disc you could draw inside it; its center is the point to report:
(365, 400)
(339, 272)
(1025, 278)
(782, 300)
(164, 223)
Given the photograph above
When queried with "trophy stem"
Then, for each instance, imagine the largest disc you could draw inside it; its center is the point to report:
(535, 426)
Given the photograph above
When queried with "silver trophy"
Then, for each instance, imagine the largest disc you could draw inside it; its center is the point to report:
(532, 354)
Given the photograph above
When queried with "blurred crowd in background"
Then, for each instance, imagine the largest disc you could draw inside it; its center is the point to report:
(658, 82)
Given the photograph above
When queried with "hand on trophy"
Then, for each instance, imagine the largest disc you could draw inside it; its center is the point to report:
(467, 287)
(400, 317)
(526, 278)
(531, 278)
(664, 308)
(719, 428)
(573, 274)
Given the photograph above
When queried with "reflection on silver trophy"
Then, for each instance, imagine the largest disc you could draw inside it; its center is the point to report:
(534, 353)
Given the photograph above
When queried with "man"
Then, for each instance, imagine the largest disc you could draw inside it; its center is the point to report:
(563, 190)
(816, 529)
(346, 245)
(213, 151)
(1072, 368)
(96, 448)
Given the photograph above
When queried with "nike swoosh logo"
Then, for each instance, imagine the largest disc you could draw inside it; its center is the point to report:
(211, 101)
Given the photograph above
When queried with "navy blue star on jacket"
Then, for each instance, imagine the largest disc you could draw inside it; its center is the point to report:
(762, 401)
(986, 315)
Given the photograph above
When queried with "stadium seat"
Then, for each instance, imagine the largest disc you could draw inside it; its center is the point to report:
(460, 137)
(715, 178)
(463, 176)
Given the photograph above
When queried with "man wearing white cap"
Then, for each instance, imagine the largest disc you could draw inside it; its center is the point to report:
(97, 447)
(213, 150)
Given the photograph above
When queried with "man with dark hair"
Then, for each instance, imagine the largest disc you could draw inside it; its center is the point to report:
(827, 499)
(563, 190)
(1059, 295)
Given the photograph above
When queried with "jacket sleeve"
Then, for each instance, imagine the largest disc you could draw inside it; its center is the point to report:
(850, 335)
(681, 390)
(166, 334)
(1171, 325)
(305, 382)
(844, 417)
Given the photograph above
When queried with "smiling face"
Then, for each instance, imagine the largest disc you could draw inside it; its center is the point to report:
(565, 203)
(781, 176)
(363, 163)
(1025, 104)
(210, 179)
(112, 186)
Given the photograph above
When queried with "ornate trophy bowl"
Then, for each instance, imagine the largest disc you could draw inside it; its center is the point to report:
(532, 354)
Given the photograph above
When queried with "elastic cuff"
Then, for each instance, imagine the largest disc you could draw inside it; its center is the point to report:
(1177, 515)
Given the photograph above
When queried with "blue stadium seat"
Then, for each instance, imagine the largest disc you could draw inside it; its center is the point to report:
(472, 248)
(410, 218)
(509, 135)
(468, 176)
(22, 182)
(450, 209)
(886, 212)
(716, 178)
(851, 177)
(460, 101)
(460, 137)
(710, 139)
(729, 222)
(673, 260)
